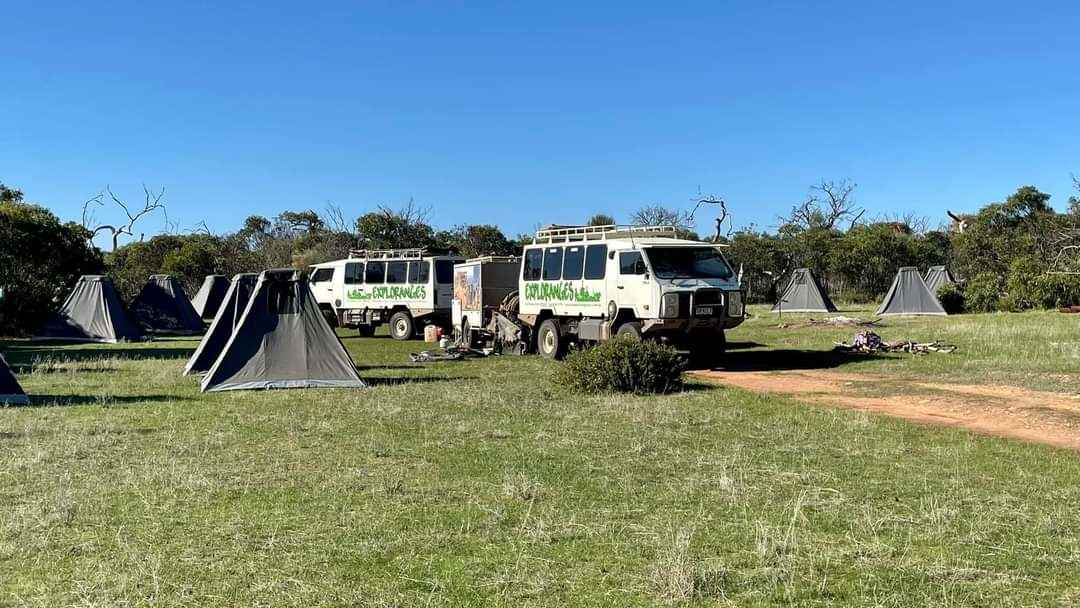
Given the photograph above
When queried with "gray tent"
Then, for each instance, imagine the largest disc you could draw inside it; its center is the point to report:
(227, 318)
(92, 313)
(938, 276)
(10, 391)
(162, 307)
(804, 294)
(209, 297)
(910, 296)
(282, 341)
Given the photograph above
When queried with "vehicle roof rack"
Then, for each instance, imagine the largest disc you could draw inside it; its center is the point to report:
(494, 258)
(565, 234)
(413, 253)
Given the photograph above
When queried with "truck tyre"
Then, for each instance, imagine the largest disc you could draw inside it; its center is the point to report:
(365, 331)
(401, 326)
(549, 340)
(631, 330)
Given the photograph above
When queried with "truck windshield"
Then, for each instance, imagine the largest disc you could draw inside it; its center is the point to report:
(688, 263)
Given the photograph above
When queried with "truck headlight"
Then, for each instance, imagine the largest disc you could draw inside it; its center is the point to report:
(669, 306)
(735, 304)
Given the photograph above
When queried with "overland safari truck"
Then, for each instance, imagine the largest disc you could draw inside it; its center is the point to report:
(589, 283)
(407, 288)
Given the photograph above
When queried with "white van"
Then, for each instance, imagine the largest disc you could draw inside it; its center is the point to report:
(406, 288)
(589, 283)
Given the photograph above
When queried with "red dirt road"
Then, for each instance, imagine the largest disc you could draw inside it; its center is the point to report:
(1004, 411)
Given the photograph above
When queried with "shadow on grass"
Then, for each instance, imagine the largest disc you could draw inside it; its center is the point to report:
(377, 381)
(25, 354)
(387, 367)
(30, 368)
(742, 345)
(785, 360)
(103, 400)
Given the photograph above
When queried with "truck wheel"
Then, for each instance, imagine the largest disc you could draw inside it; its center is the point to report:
(401, 326)
(631, 330)
(365, 331)
(549, 340)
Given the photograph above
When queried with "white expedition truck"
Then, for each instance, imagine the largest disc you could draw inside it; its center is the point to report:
(406, 288)
(589, 283)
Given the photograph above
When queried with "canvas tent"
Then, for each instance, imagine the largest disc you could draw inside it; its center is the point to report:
(804, 294)
(162, 307)
(92, 313)
(10, 391)
(209, 297)
(909, 295)
(938, 276)
(221, 329)
(282, 341)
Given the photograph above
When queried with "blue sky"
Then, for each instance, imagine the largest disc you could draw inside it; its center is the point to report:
(500, 113)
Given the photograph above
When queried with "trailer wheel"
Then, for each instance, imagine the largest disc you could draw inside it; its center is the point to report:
(365, 331)
(401, 326)
(631, 330)
(549, 340)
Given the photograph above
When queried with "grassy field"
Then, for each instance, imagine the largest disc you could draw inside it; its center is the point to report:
(483, 483)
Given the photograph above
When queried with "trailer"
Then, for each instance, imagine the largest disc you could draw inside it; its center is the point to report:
(484, 307)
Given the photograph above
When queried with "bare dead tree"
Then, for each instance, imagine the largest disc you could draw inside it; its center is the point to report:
(827, 204)
(334, 218)
(151, 203)
(723, 215)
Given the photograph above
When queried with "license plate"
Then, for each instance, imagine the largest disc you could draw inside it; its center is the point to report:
(704, 311)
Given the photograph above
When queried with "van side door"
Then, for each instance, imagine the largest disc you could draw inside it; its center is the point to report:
(632, 287)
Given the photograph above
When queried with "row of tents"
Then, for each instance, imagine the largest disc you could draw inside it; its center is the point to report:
(266, 330)
(909, 294)
(93, 312)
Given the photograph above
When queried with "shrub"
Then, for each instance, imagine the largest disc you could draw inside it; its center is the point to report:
(623, 365)
(1058, 289)
(982, 293)
(951, 297)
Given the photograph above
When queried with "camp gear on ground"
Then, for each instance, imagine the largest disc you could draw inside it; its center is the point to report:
(867, 342)
(10, 391)
(450, 353)
(282, 341)
(221, 328)
(909, 295)
(804, 294)
(210, 296)
(92, 312)
(162, 307)
(938, 276)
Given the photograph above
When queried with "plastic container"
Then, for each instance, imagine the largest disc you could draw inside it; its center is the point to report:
(431, 334)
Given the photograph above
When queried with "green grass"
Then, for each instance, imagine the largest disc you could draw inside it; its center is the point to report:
(483, 483)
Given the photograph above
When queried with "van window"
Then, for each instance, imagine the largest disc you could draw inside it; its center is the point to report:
(444, 272)
(534, 259)
(397, 272)
(354, 273)
(376, 272)
(322, 275)
(573, 263)
(553, 263)
(631, 262)
(419, 272)
(595, 262)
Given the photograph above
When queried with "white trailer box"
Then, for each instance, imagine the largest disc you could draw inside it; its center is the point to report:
(480, 286)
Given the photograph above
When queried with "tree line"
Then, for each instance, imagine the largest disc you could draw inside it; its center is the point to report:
(1013, 255)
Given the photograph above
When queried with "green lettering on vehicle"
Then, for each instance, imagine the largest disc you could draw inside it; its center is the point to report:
(560, 292)
(388, 292)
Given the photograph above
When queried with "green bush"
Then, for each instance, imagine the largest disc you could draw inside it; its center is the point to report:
(982, 293)
(623, 365)
(951, 297)
(1058, 289)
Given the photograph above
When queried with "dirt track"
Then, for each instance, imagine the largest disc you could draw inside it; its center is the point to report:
(1005, 411)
